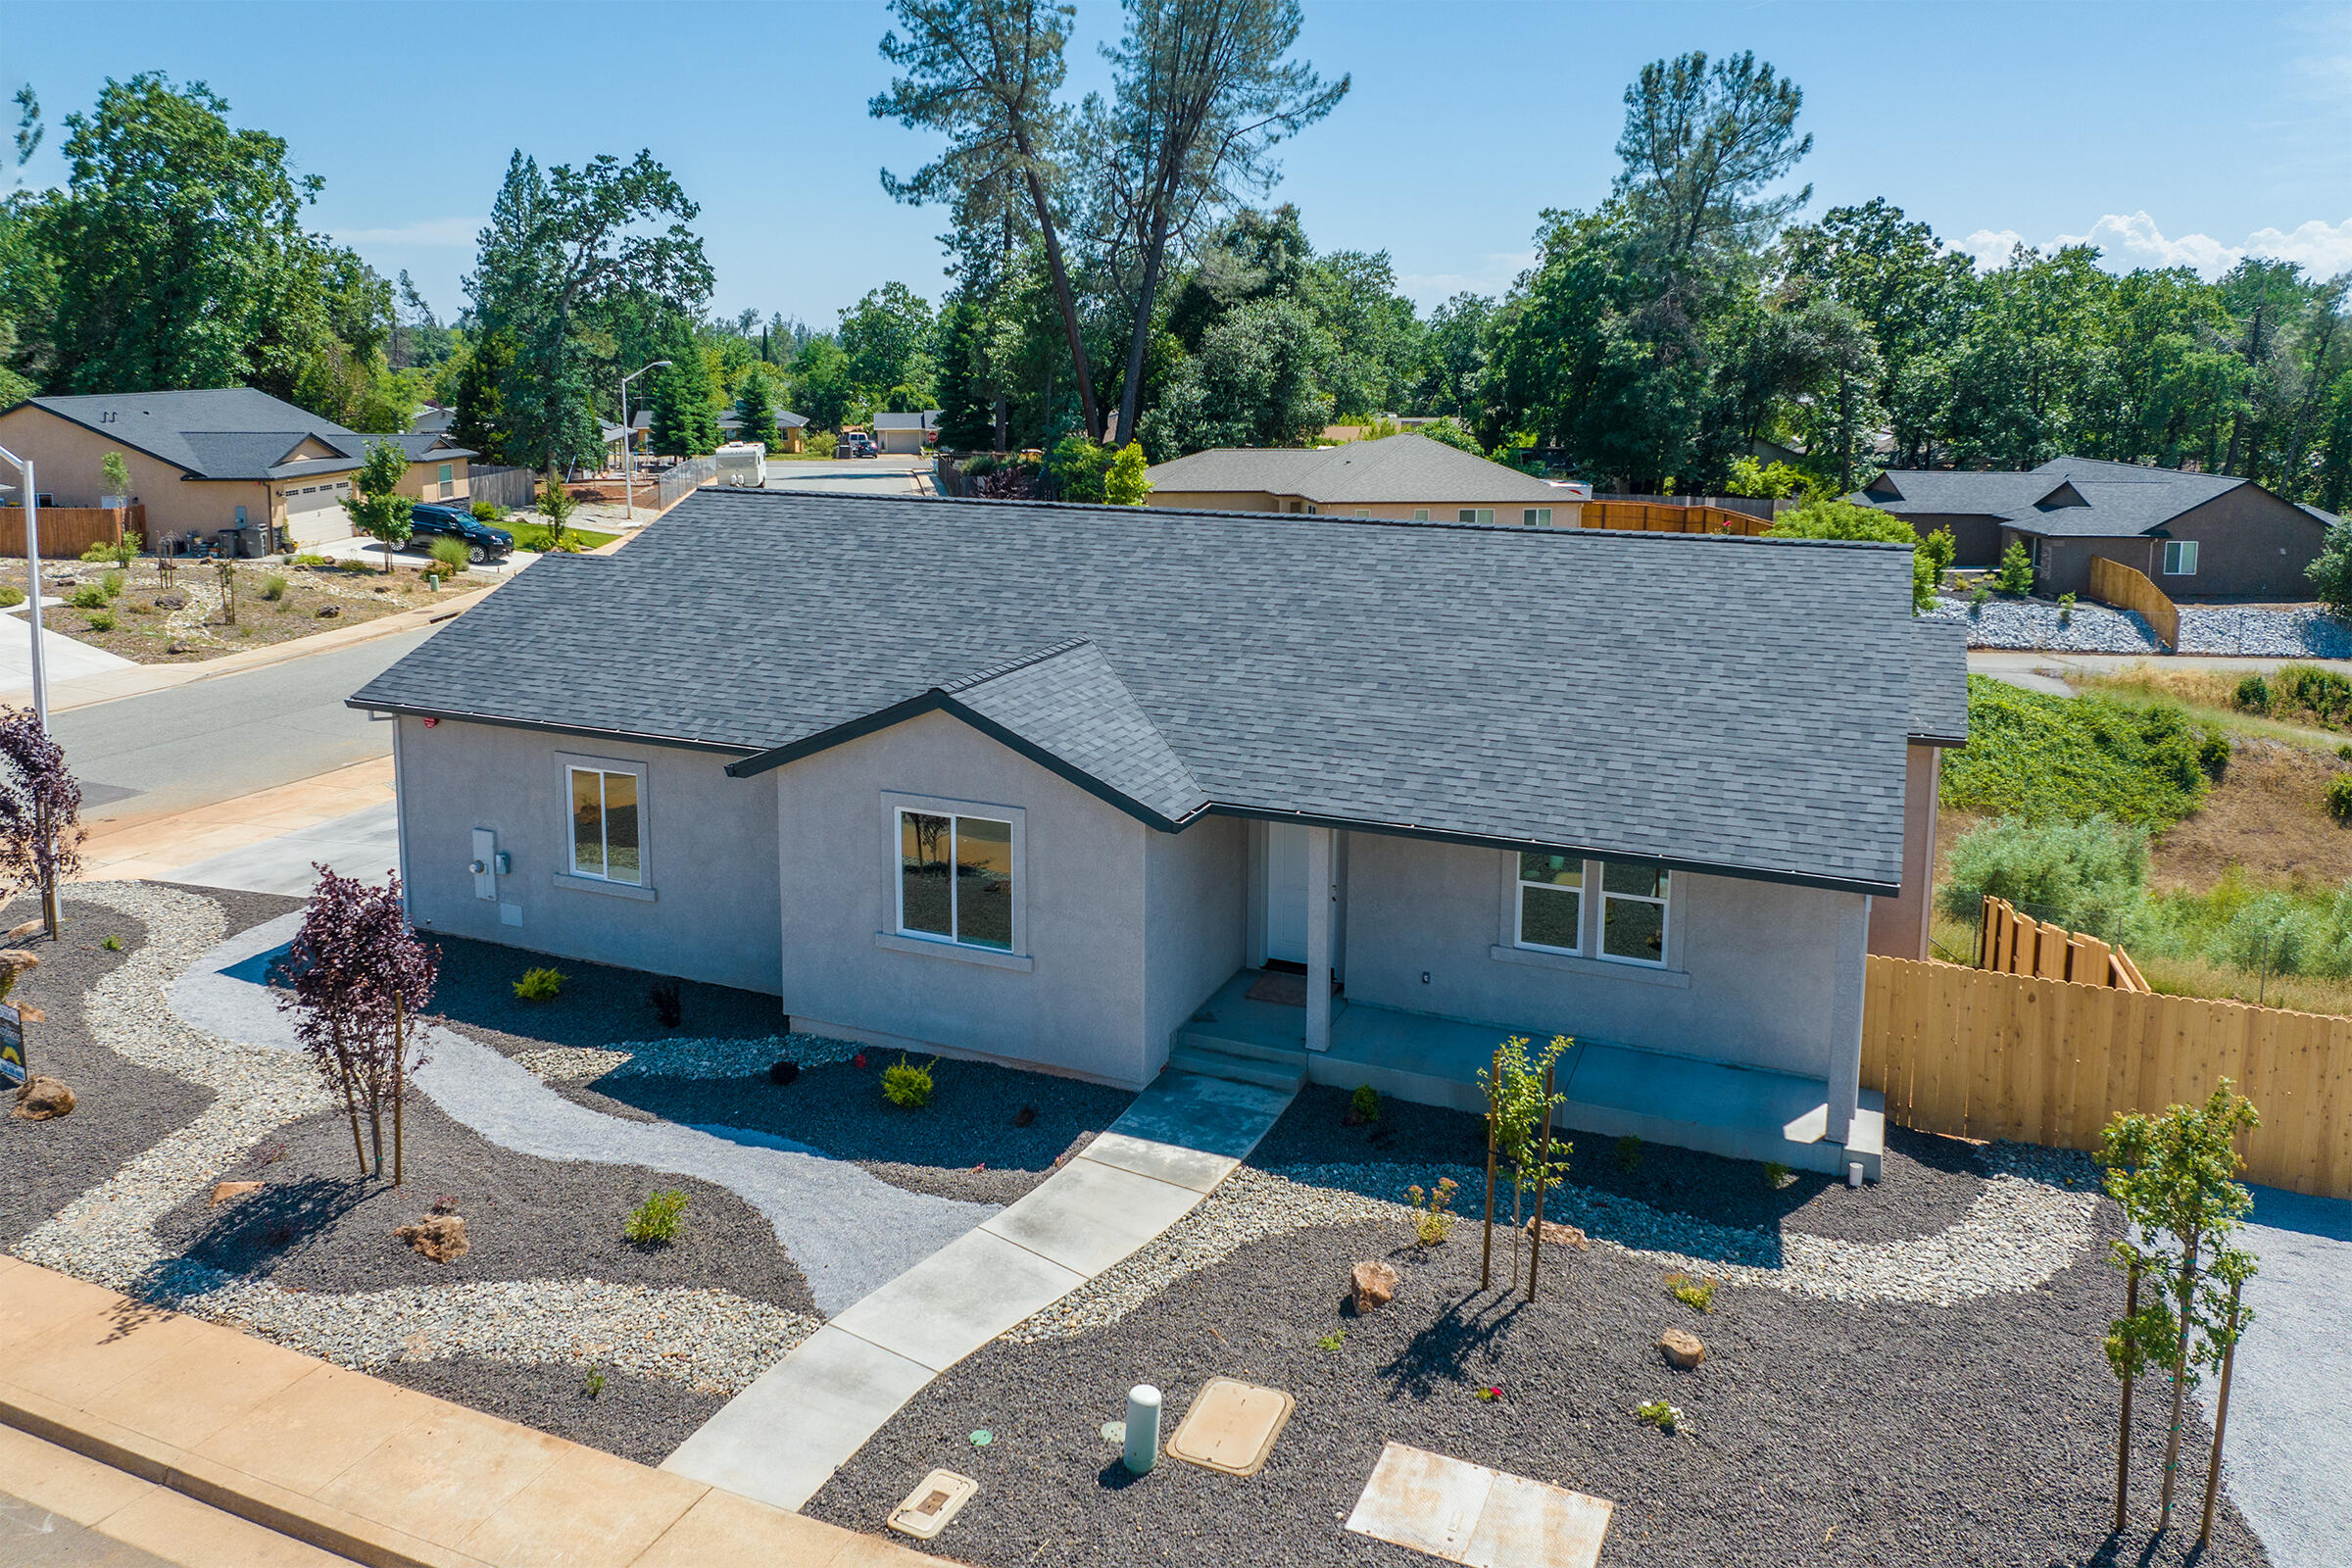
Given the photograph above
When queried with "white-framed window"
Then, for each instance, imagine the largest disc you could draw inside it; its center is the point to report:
(1363, 512)
(1551, 903)
(957, 876)
(1313, 510)
(1633, 912)
(2179, 558)
(1420, 513)
(1536, 517)
(605, 802)
(449, 473)
(1478, 515)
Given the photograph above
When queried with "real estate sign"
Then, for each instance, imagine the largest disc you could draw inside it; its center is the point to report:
(11, 1044)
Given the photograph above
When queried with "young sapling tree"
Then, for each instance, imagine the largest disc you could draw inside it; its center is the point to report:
(40, 812)
(378, 509)
(359, 977)
(1519, 1109)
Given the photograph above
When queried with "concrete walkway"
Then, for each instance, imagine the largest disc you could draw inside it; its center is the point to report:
(2287, 1462)
(267, 841)
(782, 1438)
(847, 1231)
(64, 659)
(334, 1460)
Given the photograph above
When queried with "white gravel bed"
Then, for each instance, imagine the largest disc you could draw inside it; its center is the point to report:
(684, 1058)
(2257, 632)
(2033, 1219)
(2031, 623)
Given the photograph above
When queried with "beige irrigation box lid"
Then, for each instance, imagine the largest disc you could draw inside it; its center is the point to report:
(1231, 1427)
(1467, 1513)
(929, 1506)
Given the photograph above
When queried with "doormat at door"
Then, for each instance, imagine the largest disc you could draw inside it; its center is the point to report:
(1279, 986)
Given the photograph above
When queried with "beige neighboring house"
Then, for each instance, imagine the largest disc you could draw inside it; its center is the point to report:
(1409, 477)
(908, 435)
(222, 460)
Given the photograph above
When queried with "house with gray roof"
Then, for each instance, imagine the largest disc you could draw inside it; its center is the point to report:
(1407, 477)
(2194, 535)
(1104, 790)
(911, 433)
(227, 461)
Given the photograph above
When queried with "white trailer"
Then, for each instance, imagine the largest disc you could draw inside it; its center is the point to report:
(742, 464)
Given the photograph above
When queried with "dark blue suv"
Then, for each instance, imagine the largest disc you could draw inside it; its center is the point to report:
(481, 541)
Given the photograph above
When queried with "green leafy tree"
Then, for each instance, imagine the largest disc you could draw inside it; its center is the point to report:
(117, 475)
(1253, 384)
(375, 506)
(887, 338)
(2089, 876)
(2015, 573)
(1519, 1122)
(1453, 433)
(2173, 1176)
(1124, 483)
(821, 384)
(2331, 571)
(557, 506)
(1831, 518)
(755, 408)
(1700, 147)
(1078, 464)
(478, 414)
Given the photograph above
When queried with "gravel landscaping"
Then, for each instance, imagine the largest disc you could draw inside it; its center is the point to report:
(151, 621)
(1817, 1431)
(2305, 632)
(639, 1419)
(598, 1007)
(2268, 631)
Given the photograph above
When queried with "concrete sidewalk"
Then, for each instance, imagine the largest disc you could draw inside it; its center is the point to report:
(60, 1510)
(263, 842)
(781, 1439)
(351, 1465)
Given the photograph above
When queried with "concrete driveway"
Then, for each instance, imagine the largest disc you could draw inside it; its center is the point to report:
(892, 474)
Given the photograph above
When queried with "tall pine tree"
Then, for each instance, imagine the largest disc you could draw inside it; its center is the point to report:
(685, 424)
(755, 408)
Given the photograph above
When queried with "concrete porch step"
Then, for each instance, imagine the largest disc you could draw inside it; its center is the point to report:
(1239, 1040)
(1238, 1062)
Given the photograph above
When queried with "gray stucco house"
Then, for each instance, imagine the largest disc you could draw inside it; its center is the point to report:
(2194, 535)
(1095, 788)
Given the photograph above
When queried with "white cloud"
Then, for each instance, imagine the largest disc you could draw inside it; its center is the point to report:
(2129, 241)
(425, 231)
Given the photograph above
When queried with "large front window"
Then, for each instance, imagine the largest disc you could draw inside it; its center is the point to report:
(1633, 912)
(1551, 901)
(606, 842)
(955, 878)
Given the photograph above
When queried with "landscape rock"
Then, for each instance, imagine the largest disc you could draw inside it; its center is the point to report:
(170, 600)
(230, 1192)
(21, 930)
(1683, 1348)
(1371, 1285)
(1558, 1235)
(329, 611)
(43, 1099)
(438, 1237)
(14, 965)
(180, 648)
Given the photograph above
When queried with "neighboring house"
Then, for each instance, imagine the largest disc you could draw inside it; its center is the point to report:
(2193, 535)
(906, 432)
(1087, 788)
(793, 427)
(224, 461)
(433, 419)
(1409, 477)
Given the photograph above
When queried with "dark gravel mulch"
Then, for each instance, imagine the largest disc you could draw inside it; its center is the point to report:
(640, 1419)
(1818, 1432)
(1927, 1182)
(319, 1225)
(599, 1006)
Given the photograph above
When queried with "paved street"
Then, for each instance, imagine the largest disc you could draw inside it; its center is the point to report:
(216, 741)
(890, 474)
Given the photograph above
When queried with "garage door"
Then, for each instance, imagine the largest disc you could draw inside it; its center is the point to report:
(314, 513)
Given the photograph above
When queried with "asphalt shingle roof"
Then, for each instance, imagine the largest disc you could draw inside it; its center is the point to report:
(231, 432)
(1396, 470)
(1939, 683)
(2083, 498)
(1727, 703)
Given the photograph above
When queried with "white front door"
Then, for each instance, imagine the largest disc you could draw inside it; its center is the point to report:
(1286, 892)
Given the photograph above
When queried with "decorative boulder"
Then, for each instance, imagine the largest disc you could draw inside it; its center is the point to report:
(230, 1192)
(329, 611)
(44, 1100)
(1371, 1285)
(18, 932)
(13, 963)
(170, 600)
(1557, 1235)
(1683, 1348)
(438, 1237)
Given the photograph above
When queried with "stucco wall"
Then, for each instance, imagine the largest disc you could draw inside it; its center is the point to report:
(710, 852)
(1078, 1001)
(423, 479)
(2249, 542)
(1195, 888)
(1898, 925)
(1212, 499)
(66, 459)
(1564, 514)
(1976, 540)
(1757, 960)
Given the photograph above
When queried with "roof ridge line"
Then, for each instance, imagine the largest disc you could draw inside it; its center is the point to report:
(980, 677)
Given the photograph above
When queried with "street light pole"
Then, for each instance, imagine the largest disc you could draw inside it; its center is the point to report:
(32, 598)
(628, 458)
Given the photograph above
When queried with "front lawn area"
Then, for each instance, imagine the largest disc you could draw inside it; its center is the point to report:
(534, 536)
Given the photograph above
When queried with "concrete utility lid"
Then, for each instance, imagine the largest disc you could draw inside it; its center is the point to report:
(1231, 1427)
(1467, 1513)
(929, 1506)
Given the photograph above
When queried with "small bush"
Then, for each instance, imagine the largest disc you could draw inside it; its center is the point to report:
(112, 582)
(273, 587)
(539, 985)
(820, 444)
(1979, 599)
(488, 511)
(2345, 750)
(657, 1221)
(906, 1086)
(11, 595)
(2015, 573)
(1332, 1341)
(89, 596)
(1658, 1414)
(595, 1384)
(1629, 1152)
(111, 943)
(448, 554)
(2339, 797)
(1434, 1210)
(1364, 1103)
(2066, 609)
(2089, 876)
(1696, 1293)
(2254, 695)
(1776, 1175)
(101, 620)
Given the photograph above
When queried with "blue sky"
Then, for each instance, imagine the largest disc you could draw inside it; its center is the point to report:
(2167, 133)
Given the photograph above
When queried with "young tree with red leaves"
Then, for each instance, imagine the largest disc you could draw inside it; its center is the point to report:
(358, 976)
(40, 811)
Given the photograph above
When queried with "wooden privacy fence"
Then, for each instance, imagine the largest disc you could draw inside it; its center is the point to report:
(1978, 1053)
(1652, 517)
(67, 531)
(2018, 944)
(502, 486)
(2113, 583)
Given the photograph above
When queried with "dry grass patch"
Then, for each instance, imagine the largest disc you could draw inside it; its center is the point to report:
(2268, 815)
(2208, 694)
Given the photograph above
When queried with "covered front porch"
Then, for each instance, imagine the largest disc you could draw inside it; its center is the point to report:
(1612, 1090)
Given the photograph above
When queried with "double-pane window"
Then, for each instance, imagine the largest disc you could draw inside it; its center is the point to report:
(955, 878)
(1633, 912)
(1478, 515)
(606, 841)
(1536, 517)
(2180, 558)
(1551, 901)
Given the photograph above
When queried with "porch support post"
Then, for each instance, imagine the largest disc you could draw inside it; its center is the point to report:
(1850, 977)
(1319, 938)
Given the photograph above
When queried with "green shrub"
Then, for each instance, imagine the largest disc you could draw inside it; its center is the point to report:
(1629, 1152)
(2339, 797)
(11, 595)
(2254, 695)
(2345, 750)
(2032, 754)
(595, 1384)
(1693, 1291)
(449, 552)
(111, 943)
(1829, 518)
(1979, 599)
(488, 511)
(1658, 1414)
(906, 1086)
(657, 1221)
(1078, 464)
(539, 985)
(2015, 573)
(2087, 876)
(820, 444)
(1776, 1175)
(89, 596)
(1433, 1210)
(2066, 609)
(102, 621)
(273, 587)
(2307, 689)
(1364, 1103)
(112, 582)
